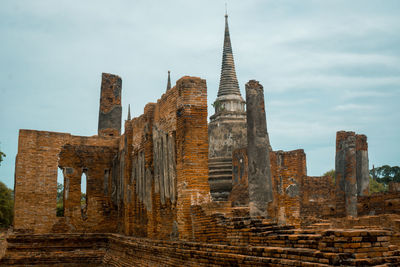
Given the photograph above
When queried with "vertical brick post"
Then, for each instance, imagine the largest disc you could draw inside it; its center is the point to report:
(362, 165)
(346, 174)
(191, 151)
(259, 174)
(110, 105)
(350, 176)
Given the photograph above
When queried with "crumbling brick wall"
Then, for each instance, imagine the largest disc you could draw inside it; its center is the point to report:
(239, 195)
(169, 164)
(36, 168)
(379, 203)
(317, 198)
(288, 170)
(97, 215)
(394, 187)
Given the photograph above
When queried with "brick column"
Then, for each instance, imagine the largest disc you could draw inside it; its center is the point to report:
(191, 151)
(347, 175)
(110, 105)
(259, 175)
(362, 165)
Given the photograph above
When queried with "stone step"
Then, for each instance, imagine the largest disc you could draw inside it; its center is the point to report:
(53, 249)
(320, 226)
(220, 159)
(278, 228)
(220, 167)
(22, 247)
(216, 162)
(294, 237)
(305, 231)
(220, 177)
(83, 257)
(216, 168)
(376, 261)
(220, 186)
(220, 172)
(220, 196)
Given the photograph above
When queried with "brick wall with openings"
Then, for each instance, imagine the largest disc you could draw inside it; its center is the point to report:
(36, 169)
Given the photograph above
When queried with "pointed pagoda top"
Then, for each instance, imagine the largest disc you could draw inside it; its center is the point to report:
(129, 112)
(228, 83)
(169, 81)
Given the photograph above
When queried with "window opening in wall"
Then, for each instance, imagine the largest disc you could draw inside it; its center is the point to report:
(60, 193)
(84, 197)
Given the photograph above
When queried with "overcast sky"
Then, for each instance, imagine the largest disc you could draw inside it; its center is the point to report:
(325, 66)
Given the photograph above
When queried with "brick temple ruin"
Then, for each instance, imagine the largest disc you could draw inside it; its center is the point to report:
(174, 190)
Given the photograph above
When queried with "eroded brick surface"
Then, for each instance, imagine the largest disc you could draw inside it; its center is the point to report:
(110, 105)
(169, 164)
(149, 190)
(39, 157)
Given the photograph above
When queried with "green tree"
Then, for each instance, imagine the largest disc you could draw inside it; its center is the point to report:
(60, 190)
(2, 156)
(6, 205)
(386, 174)
(60, 200)
(331, 174)
(375, 186)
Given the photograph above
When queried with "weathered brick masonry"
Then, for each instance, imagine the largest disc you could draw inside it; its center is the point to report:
(173, 190)
(40, 154)
(110, 106)
(150, 188)
(169, 162)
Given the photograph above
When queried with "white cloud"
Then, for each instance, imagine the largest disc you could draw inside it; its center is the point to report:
(354, 107)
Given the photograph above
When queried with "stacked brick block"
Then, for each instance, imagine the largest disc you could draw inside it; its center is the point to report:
(360, 247)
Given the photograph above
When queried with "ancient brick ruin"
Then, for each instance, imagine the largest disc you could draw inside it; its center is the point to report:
(174, 190)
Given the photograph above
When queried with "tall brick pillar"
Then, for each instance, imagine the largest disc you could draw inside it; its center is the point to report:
(191, 151)
(362, 165)
(352, 175)
(110, 105)
(258, 147)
